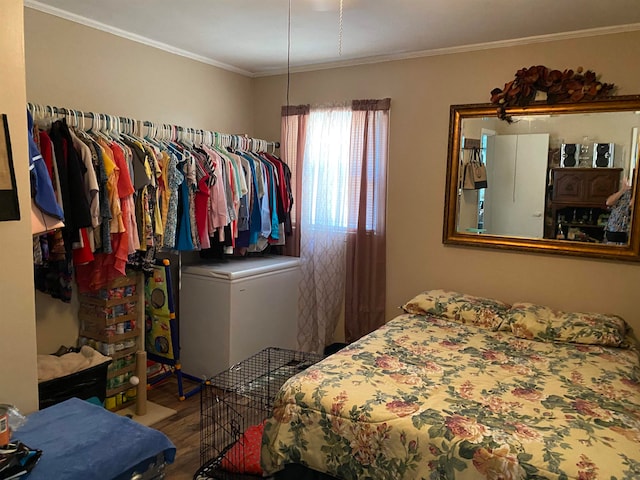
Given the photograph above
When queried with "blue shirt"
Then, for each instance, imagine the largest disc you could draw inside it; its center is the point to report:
(41, 186)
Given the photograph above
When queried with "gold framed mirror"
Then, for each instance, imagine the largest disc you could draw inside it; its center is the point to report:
(549, 174)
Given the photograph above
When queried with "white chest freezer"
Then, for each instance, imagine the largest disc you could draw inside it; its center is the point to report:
(230, 311)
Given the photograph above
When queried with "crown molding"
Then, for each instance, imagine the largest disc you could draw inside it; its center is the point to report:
(592, 32)
(34, 4)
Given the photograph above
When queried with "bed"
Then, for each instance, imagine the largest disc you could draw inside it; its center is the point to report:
(80, 440)
(462, 387)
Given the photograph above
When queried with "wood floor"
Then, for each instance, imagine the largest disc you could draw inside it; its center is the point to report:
(183, 428)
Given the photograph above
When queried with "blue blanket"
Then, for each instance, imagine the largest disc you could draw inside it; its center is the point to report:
(80, 440)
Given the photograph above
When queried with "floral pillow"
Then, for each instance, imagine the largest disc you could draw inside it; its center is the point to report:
(460, 307)
(538, 322)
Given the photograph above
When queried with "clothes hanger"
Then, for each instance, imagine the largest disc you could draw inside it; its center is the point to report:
(116, 128)
(65, 114)
(110, 126)
(155, 132)
(150, 131)
(106, 125)
(131, 132)
(35, 114)
(94, 119)
(43, 117)
(166, 134)
(101, 125)
(81, 125)
(184, 139)
(124, 125)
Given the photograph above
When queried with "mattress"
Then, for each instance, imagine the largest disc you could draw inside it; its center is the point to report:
(426, 397)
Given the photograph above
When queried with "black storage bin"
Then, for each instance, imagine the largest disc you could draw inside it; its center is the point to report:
(87, 383)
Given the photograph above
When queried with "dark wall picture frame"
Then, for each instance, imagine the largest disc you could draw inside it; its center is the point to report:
(9, 206)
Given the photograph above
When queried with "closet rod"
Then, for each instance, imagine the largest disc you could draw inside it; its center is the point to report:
(232, 140)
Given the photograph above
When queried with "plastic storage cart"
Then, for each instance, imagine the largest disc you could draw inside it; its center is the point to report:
(110, 323)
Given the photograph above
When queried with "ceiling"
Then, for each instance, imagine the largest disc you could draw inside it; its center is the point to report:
(251, 36)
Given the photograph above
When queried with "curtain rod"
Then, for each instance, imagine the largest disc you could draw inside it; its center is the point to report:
(113, 121)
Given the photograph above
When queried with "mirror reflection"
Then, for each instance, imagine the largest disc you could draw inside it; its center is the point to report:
(560, 179)
(560, 176)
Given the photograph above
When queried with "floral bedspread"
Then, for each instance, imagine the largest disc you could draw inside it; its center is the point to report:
(424, 397)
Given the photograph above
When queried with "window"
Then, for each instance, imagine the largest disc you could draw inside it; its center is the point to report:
(332, 175)
(325, 178)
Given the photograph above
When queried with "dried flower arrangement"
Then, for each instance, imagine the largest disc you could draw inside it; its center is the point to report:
(559, 86)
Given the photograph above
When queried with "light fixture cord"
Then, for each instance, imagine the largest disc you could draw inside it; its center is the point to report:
(288, 53)
(340, 28)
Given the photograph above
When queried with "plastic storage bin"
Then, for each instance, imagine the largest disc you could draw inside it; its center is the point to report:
(91, 382)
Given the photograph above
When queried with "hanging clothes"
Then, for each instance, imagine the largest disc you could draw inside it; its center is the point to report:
(41, 186)
(125, 197)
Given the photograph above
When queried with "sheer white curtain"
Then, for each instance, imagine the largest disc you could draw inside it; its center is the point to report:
(324, 221)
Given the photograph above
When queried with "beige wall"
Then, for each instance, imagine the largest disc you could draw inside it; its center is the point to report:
(422, 91)
(75, 66)
(18, 374)
(71, 65)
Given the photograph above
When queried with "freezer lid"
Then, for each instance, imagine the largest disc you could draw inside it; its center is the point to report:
(243, 267)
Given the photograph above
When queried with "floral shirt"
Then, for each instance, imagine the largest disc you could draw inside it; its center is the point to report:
(620, 214)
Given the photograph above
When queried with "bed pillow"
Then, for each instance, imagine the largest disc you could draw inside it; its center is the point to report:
(460, 307)
(538, 322)
(244, 455)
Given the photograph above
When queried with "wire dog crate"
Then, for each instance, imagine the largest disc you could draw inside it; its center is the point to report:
(239, 398)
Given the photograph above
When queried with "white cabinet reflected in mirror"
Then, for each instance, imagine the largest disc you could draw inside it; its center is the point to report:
(549, 174)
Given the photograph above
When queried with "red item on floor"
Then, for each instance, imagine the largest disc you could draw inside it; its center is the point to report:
(244, 456)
